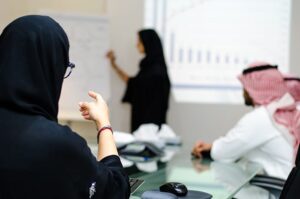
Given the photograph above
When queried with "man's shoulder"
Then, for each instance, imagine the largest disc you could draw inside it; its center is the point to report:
(258, 114)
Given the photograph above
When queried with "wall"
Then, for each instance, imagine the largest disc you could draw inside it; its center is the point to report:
(126, 19)
(66, 6)
(295, 38)
(9, 10)
(191, 121)
(211, 121)
(12, 9)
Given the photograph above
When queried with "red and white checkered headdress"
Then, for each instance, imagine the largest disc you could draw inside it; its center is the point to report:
(265, 85)
(263, 82)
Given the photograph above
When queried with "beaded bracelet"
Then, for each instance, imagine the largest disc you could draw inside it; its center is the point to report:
(102, 129)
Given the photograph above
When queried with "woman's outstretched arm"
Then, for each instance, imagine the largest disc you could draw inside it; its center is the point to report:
(122, 74)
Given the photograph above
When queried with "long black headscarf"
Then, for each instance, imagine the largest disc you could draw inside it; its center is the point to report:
(34, 54)
(153, 50)
(148, 92)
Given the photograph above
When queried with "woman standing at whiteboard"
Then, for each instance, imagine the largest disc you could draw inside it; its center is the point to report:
(147, 92)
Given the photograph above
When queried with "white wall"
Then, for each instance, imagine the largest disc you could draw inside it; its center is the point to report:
(295, 38)
(126, 18)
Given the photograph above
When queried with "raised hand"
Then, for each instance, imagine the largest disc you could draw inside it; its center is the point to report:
(96, 110)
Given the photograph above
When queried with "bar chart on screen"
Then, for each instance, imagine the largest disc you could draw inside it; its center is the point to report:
(208, 43)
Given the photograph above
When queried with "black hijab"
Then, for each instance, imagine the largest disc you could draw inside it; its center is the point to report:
(153, 50)
(38, 157)
(33, 59)
(148, 92)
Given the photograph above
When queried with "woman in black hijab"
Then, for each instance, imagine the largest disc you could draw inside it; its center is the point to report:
(147, 92)
(38, 157)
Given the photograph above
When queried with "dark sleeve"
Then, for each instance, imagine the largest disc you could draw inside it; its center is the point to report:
(112, 181)
(129, 92)
(291, 187)
(91, 178)
(206, 154)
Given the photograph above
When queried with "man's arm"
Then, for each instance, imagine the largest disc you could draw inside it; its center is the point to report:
(245, 136)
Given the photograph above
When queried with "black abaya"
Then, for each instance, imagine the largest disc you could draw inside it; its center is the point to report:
(148, 92)
(38, 157)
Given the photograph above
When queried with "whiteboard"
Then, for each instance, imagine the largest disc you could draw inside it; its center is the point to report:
(89, 42)
(208, 43)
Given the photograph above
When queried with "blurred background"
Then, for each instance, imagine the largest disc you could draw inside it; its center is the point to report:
(191, 118)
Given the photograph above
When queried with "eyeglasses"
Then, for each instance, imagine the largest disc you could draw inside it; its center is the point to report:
(69, 69)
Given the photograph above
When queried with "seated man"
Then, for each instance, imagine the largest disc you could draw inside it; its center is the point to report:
(268, 134)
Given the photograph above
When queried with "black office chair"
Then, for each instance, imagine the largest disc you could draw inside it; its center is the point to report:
(291, 189)
(272, 184)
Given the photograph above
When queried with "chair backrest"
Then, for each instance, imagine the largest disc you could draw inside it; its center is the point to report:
(291, 188)
(271, 184)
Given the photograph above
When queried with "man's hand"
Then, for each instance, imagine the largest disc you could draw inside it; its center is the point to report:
(200, 147)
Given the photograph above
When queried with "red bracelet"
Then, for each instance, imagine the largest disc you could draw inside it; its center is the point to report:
(102, 129)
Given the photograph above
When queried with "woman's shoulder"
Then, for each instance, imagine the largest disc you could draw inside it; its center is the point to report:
(154, 73)
(64, 149)
(56, 134)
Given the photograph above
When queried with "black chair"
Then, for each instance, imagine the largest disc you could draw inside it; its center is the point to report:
(291, 188)
(272, 184)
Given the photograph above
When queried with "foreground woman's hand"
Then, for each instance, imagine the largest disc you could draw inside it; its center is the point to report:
(96, 110)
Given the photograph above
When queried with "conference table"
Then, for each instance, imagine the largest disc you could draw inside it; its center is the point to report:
(221, 180)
